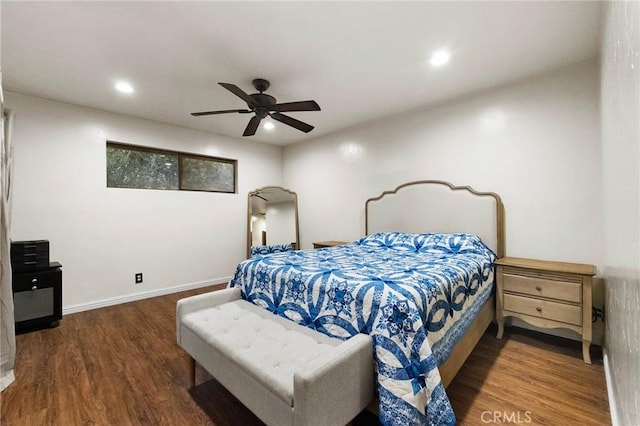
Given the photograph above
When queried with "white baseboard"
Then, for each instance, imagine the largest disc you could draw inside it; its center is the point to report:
(72, 309)
(612, 401)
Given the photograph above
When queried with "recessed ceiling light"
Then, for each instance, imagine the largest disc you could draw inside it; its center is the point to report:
(440, 58)
(268, 125)
(124, 87)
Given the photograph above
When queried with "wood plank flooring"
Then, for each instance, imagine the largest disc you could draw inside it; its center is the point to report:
(121, 365)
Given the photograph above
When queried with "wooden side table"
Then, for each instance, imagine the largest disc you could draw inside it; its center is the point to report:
(323, 244)
(546, 294)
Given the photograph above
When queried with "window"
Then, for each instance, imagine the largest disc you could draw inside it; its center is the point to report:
(130, 166)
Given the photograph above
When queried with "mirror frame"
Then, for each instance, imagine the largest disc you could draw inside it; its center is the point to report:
(295, 205)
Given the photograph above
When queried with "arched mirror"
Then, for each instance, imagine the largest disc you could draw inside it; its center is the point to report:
(272, 222)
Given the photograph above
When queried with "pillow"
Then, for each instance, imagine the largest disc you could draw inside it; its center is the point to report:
(273, 248)
(397, 240)
(427, 242)
(455, 243)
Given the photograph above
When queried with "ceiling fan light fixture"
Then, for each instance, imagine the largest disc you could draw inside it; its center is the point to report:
(440, 58)
(268, 126)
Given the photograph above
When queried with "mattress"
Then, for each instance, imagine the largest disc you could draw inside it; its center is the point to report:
(415, 294)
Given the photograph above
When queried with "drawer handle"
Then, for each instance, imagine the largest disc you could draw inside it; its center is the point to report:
(30, 254)
(539, 309)
(538, 288)
(34, 280)
(33, 262)
(35, 287)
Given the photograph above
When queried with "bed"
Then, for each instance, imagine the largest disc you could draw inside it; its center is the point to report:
(420, 282)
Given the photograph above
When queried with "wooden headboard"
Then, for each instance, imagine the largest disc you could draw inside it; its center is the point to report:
(438, 206)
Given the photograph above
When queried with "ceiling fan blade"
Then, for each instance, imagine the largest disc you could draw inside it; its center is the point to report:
(289, 121)
(259, 196)
(296, 106)
(197, 114)
(252, 126)
(239, 93)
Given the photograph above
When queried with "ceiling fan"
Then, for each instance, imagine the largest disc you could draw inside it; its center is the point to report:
(263, 105)
(257, 194)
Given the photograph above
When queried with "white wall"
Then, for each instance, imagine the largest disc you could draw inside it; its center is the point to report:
(535, 142)
(281, 223)
(258, 225)
(621, 177)
(103, 236)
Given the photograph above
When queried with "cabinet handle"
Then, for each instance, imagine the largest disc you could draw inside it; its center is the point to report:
(33, 262)
(30, 254)
(538, 288)
(35, 287)
(34, 280)
(539, 309)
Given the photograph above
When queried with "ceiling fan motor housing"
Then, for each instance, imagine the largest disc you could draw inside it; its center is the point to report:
(263, 104)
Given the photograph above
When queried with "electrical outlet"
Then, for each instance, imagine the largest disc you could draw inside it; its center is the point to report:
(138, 277)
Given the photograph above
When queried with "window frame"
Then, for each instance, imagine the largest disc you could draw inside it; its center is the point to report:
(180, 155)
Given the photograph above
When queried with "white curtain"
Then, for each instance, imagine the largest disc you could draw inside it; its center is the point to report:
(7, 330)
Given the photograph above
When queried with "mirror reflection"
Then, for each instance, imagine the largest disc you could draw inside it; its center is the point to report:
(272, 222)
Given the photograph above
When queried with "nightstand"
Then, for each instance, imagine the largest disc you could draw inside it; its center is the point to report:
(37, 297)
(546, 294)
(323, 244)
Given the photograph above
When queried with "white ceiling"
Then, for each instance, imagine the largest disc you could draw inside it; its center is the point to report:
(361, 61)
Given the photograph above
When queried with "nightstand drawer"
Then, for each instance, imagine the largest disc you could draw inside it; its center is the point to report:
(551, 289)
(569, 314)
(26, 281)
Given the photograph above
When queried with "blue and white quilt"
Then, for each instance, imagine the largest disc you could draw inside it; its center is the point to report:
(415, 294)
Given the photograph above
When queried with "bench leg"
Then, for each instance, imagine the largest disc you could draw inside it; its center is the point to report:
(192, 372)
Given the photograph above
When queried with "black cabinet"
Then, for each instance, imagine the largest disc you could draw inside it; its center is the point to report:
(37, 297)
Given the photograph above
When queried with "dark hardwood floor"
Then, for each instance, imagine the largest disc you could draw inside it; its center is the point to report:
(530, 378)
(121, 365)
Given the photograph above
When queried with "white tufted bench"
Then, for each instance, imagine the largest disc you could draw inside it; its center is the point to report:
(286, 374)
